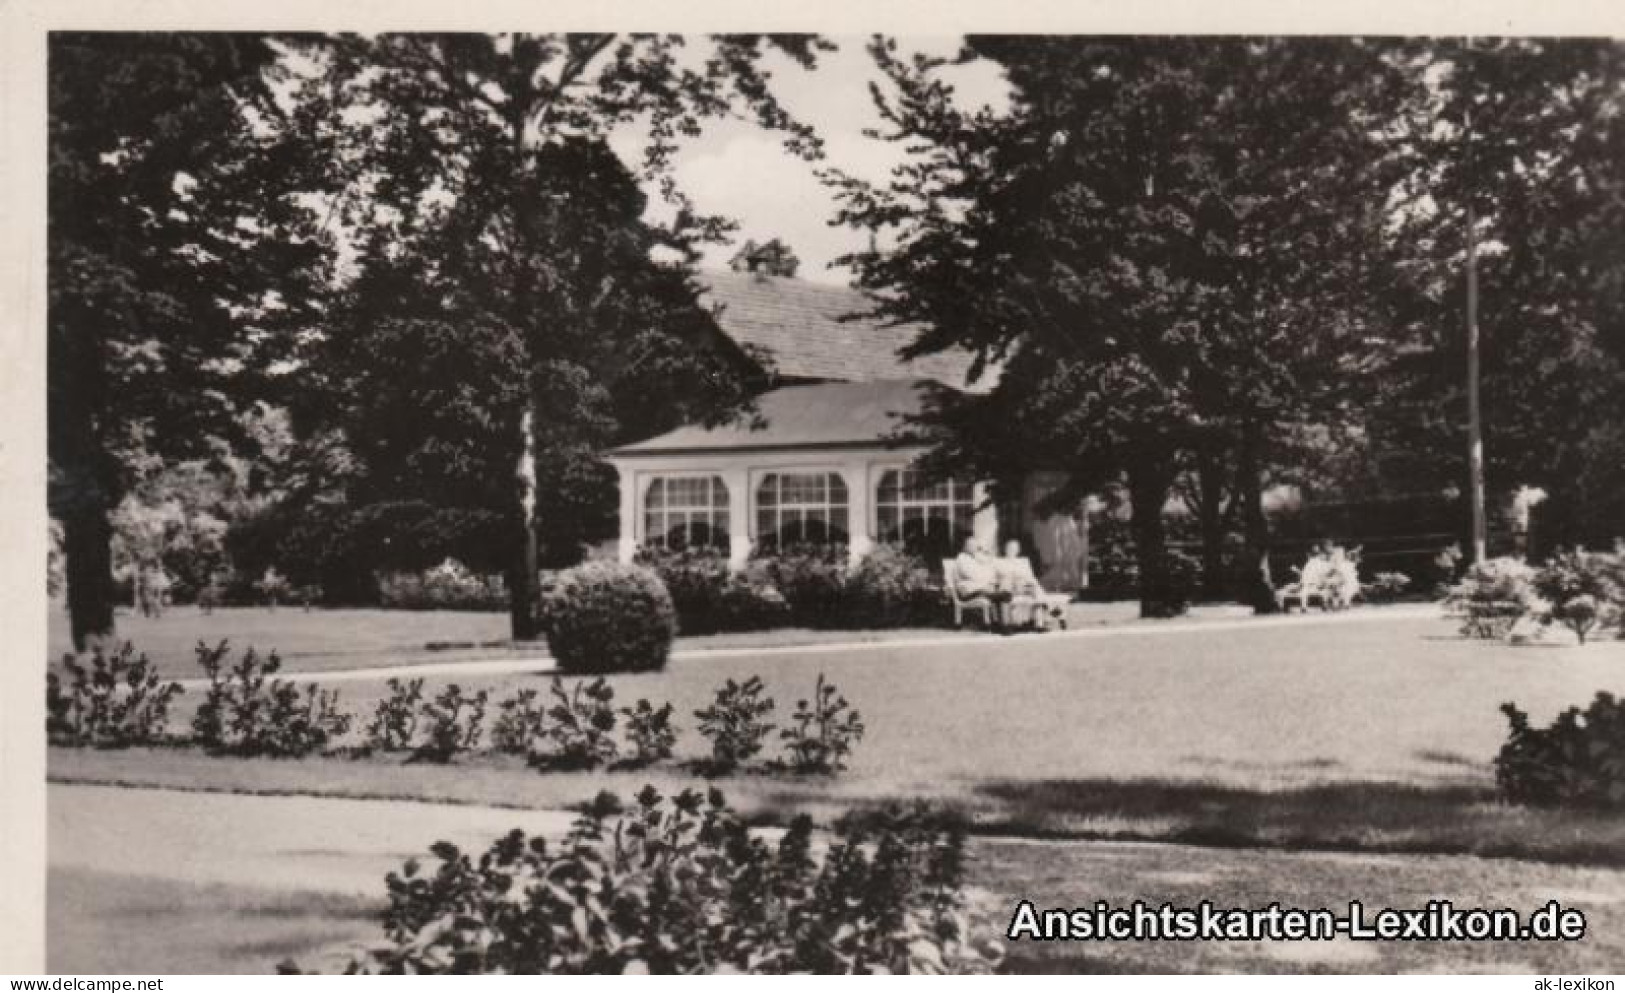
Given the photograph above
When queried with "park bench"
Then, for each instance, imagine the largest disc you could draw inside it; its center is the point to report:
(962, 605)
(1048, 607)
(1326, 580)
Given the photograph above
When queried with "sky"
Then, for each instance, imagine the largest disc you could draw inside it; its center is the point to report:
(738, 170)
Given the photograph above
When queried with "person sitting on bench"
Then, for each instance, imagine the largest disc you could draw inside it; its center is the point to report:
(1028, 601)
(976, 574)
(1016, 571)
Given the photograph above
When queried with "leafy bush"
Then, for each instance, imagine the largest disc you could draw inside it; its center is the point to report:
(247, 711)
(608, 617)
(116, 701)
(448, 586)
(1493, 596)
(1114, 564)
(1583, 590)
(520, 725)
(812, 580)
(650, 732)
(746, 604)
(734, 723)
(682, 886)
(581, 725)
(455, 721)
(806, 586)
(889, 588)
(1578, 761)
(822, 731)
(395, 722)
(709, 596)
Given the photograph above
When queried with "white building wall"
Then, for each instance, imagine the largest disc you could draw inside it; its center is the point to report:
(1060, 540)
(742, 472)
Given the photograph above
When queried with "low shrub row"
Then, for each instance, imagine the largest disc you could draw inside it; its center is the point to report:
(1581, 590)
(581, 728)
(248, 710)
(681, 885)
(114, 702)
(814, 587)
(433, 730)
(118, 701)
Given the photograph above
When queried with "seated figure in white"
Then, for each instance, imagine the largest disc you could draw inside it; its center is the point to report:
(1026, 592)
(977, 574)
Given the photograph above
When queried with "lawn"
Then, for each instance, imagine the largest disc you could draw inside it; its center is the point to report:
(191, 928)
(316, 641)
(1350, 736)
(326, 640)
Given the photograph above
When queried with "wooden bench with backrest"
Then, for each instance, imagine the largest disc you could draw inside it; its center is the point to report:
(962, 604)
(1050, 608)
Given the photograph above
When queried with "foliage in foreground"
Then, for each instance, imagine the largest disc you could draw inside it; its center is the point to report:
(680, 885)
(114, 702)
(1579, 761)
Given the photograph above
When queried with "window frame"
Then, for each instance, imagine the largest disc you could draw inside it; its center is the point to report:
(716, 509)
(960, 495)
(831, 478)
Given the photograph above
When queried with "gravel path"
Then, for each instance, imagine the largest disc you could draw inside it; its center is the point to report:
(271, 842)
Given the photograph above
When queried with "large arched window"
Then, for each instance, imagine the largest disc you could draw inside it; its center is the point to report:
(927, 519)
(686, 512)
(801, 507)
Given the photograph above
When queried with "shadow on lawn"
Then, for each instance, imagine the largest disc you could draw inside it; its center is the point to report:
(1348, 817)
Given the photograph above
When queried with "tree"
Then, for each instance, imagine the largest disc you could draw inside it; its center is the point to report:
(516, 310)
(1526, 137)
(179, 265)
(1114, 242)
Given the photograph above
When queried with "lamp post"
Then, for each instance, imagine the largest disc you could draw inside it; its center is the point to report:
(1475, 419)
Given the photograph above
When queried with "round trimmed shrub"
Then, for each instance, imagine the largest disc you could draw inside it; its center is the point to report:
(606, 617)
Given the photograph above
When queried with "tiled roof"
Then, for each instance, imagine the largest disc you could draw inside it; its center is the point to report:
(815, 415)
(800, 324)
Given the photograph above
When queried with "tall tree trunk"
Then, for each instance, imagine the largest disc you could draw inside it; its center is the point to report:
(523, 579)
(1258, 588)
(1210, 496)
(84, 488)
(525, 583)
(87, 546)
(1149, 482)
